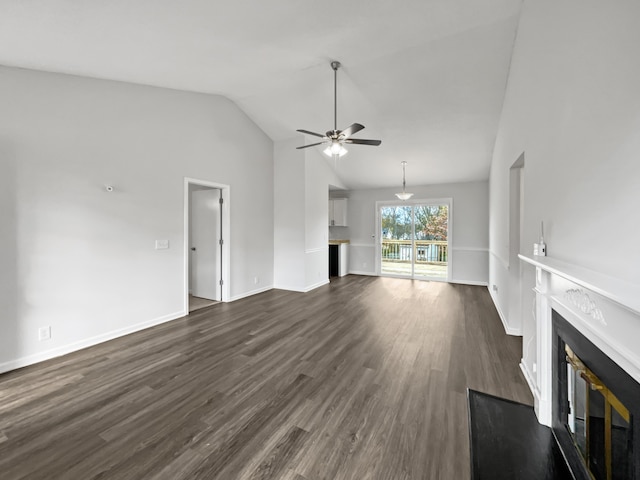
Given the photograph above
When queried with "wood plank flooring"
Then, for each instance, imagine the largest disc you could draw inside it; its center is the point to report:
(364, 378)
(196, 303)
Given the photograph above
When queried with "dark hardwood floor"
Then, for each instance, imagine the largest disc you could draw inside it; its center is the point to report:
(364, 378)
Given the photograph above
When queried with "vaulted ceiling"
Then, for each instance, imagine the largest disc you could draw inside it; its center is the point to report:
(428, 77)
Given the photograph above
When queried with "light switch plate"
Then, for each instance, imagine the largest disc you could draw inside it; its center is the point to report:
(162, 244)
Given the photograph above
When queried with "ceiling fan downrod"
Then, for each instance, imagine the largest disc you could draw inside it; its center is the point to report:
(335, 65)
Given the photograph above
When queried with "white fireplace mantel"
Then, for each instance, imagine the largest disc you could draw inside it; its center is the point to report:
(623, 293)
(604, 309)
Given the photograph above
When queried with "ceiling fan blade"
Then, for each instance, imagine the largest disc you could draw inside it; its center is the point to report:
(310, 145)
(350, 130)
(311, 133)
(359, 141)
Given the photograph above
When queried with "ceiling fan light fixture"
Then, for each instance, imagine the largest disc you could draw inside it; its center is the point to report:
(334, 149)
(404, 195)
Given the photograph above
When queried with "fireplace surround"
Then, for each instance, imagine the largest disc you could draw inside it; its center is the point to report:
(582, 363)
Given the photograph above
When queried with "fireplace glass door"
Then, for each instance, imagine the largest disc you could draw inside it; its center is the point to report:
(598, 422)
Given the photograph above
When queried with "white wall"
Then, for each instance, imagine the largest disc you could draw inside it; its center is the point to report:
(83, 260)
(289, 211)
(470, 214)
(318, 177)
(573, 107)
(302, 179)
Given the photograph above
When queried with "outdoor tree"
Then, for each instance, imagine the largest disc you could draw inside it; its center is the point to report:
(432, 222)
(396, 223)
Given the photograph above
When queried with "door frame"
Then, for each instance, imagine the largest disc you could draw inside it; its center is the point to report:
(515, 313)
(412, 202)
(225, 212)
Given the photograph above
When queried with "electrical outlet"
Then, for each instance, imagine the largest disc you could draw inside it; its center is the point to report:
(256, 280)
(44, 333)
(162, 244)
(535, 368)
(495, 288)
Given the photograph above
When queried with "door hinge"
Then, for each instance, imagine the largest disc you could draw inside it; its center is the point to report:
(221, 201)
(221, 242)
(221, 282)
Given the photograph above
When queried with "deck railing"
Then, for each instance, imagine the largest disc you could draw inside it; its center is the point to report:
(424, 251)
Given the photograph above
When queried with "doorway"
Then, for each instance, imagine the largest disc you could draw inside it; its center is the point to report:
(414, 239)
(516, 227)
(206, 247)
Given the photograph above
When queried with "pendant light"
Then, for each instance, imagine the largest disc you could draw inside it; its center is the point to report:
(404, 195)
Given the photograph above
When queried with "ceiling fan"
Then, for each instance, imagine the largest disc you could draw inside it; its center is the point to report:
(337, 138)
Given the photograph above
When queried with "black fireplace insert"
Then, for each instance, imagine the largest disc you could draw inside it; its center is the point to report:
(596, 408)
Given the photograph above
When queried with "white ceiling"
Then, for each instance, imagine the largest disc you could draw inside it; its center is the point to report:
(426, 76)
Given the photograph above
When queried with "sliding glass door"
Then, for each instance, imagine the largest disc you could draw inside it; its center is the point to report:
(414, 240)
(396, 240)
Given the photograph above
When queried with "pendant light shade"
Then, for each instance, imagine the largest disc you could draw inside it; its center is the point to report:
(404, 195)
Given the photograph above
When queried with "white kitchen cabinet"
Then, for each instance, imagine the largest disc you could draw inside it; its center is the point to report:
(338, 212)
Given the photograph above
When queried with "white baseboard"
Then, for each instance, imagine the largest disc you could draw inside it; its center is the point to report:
(88, 342)
(288, 288)
(542, 407)
(469, 282)
(362, 272)
(252, 292)
(516, 332)
(528, 376)
(316, 285)
(301, 289)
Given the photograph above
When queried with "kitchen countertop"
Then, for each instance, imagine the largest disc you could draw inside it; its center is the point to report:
(337, 242)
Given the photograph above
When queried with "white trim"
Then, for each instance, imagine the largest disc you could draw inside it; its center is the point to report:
(226, 235)
(616, 290)
(288, 288)
(471, 249)
(316, 285)
(508, 330)
(252, 292)
(504, 263)
(528, 376)
(362, 272)
(316, 250)
(302, 290)
(542, 407)
(470, 282)
(88, 342)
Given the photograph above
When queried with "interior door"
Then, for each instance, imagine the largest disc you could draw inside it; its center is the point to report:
(205, 244)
